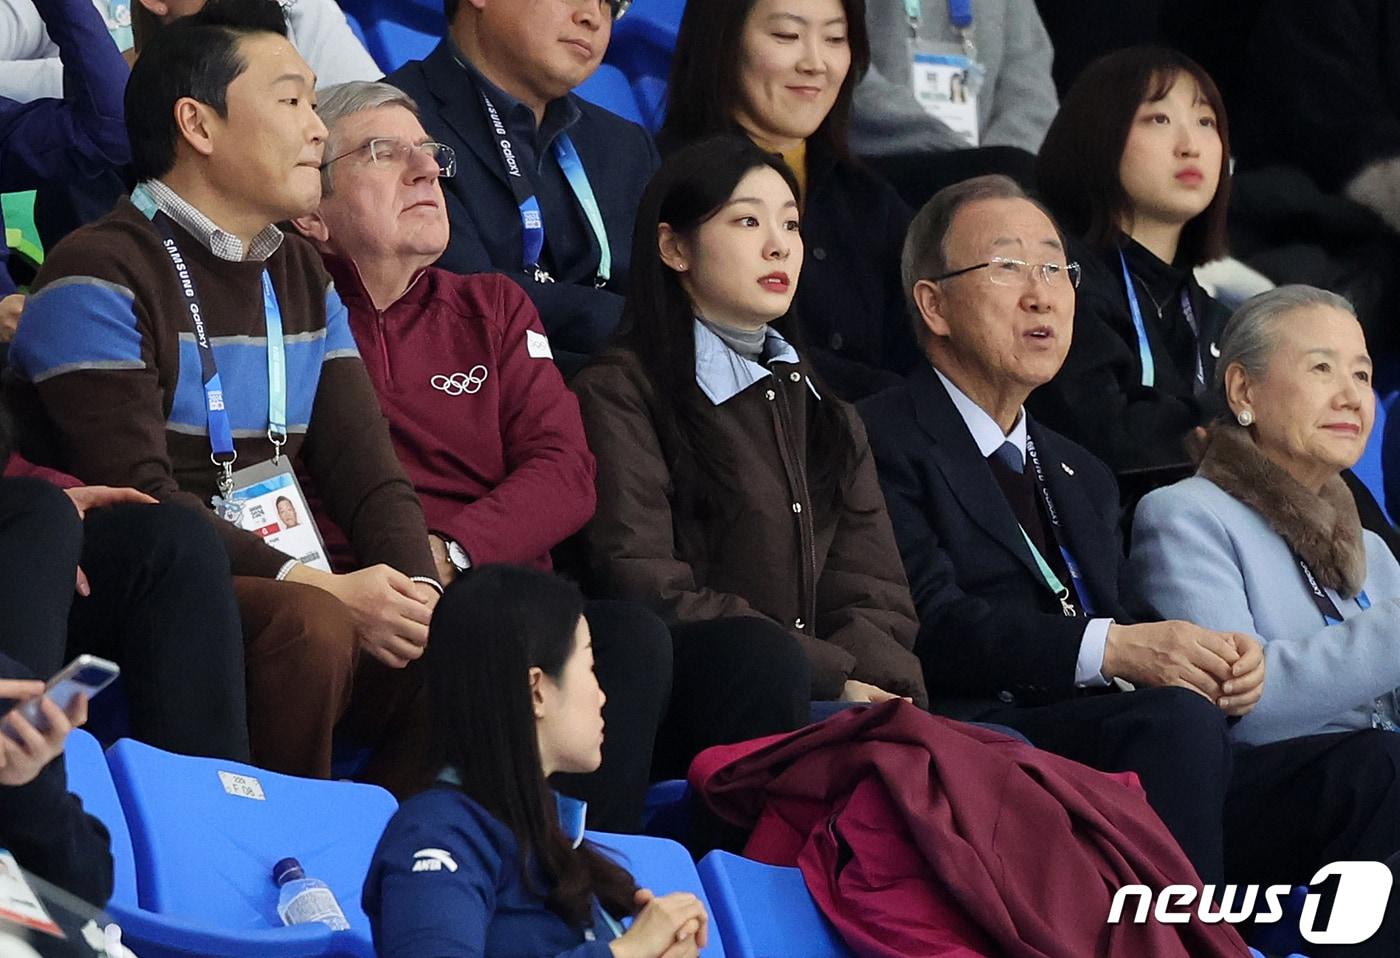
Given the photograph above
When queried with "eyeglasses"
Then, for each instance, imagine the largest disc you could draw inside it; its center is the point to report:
(1014, 272)
(618, 7)
(392, 151)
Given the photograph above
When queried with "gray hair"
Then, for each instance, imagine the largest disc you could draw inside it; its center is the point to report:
(1251, 335)
(334, 103)
(925, 253)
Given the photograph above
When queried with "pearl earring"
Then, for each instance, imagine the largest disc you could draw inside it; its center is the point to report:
(1246, 418)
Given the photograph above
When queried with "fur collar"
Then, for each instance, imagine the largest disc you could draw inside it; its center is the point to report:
(1324, 530)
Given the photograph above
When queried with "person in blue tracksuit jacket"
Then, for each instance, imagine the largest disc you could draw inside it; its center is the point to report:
(488, 862)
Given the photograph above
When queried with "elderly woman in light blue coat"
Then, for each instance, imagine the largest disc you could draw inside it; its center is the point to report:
(1265, 538)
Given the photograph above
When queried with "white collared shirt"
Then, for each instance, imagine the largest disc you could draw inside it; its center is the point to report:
(151, 195)
(1088, 669)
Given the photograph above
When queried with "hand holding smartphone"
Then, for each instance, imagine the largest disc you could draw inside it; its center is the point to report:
(86, 675)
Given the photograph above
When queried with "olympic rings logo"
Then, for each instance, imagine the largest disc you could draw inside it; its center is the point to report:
(459, 383)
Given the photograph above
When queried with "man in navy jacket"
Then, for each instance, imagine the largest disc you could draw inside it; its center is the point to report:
(1009, 535)
(76, 137)
(496, 90)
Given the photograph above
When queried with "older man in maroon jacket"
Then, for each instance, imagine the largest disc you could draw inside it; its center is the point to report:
(478, 412)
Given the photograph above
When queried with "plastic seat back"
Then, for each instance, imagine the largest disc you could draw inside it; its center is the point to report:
(608, 88)
(206, 833)
(765, 911)
(663, 866)
(1369, 468)
(393, 43)
(91, 780)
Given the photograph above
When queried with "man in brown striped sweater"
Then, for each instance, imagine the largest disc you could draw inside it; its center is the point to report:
(110, 383)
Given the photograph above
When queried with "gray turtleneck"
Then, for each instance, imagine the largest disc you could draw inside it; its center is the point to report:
(746, 342)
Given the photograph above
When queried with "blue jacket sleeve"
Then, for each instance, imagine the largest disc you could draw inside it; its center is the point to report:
(84, 132)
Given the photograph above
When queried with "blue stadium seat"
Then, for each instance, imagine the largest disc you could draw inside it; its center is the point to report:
(765, 911)
(608, 88)
(204, 845)
(663, 866)
(643, 40)
(91, 780)
(666, 813)
(162, 936)
(393, 43)
(1369, 468)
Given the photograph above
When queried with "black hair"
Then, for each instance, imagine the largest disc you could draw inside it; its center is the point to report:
(658, 326)
(1077, 170)
(490, 628)
(704, 96)
(197, 57)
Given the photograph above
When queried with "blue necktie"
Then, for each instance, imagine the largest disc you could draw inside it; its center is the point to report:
(1010, 457)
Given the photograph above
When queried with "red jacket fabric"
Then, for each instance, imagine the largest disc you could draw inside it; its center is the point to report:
(17, 465)
(921, 836)
(497, 455)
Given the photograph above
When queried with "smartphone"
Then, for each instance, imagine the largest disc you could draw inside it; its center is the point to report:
(86, 675)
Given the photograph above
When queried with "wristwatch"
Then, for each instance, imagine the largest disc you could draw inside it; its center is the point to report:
(457, 556)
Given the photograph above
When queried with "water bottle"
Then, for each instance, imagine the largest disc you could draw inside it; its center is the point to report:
(303, 900)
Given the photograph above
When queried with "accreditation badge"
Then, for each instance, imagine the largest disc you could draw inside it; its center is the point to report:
(267, 499)
(946, 84)
(18, 902)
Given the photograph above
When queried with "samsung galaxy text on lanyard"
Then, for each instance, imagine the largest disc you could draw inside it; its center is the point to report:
(222, 454)
(531, 219)
(1331, 616)
(1051, 580)
(1149, 365)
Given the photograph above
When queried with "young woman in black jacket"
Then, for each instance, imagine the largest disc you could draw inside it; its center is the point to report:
(1136, 168)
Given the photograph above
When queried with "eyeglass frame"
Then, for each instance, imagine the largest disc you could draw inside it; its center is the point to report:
(1072, 269)
(618, 7)
(447, 173)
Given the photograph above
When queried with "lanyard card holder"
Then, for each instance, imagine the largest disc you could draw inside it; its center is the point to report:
(946, 83)
(267, 499)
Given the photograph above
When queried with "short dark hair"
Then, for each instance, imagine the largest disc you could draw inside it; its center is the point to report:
(1078, 168)
(449, 9)
(489, 630)
(704, 93)
(197, 57)
(925, 245)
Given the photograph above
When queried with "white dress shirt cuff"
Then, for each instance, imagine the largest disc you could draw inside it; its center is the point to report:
(1088, 670)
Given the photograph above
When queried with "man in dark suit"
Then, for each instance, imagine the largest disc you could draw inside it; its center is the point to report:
(1009, 532)
(547, 184)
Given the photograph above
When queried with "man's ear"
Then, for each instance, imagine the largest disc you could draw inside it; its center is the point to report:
(673, 248)
(314, 228)
(932, 304)
(192, 120)
(157, 7)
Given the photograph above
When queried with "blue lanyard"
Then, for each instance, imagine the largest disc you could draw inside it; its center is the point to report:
(1149, 366)
(1331, 615)
(959, 12)
(1046, 573)
(220, 429)
(531, 219)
